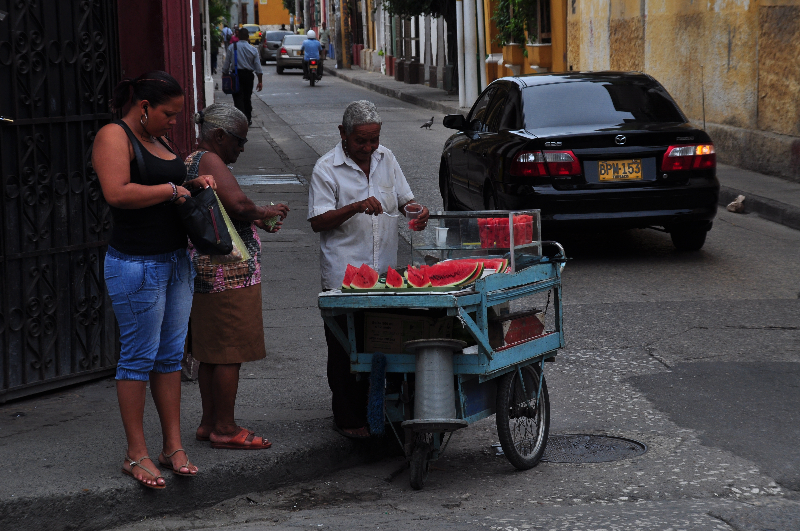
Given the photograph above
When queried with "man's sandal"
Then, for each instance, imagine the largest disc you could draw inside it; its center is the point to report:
(132, 463)
(167, 461)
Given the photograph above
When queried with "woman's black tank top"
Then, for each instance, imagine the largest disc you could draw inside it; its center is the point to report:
(155, 229)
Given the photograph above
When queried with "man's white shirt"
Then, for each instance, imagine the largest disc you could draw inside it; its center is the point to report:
(337, 181)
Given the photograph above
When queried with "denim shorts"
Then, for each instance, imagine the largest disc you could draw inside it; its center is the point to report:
(152, 299)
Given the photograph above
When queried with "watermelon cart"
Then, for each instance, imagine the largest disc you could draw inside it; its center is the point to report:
(455, 345)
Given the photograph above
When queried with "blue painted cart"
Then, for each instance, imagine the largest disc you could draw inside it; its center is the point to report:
(507, 380)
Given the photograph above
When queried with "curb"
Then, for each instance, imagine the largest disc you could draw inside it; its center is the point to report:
(111, 507)
(769, 209)
(395, 93)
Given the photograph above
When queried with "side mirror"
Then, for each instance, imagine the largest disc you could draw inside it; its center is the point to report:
(455, 121)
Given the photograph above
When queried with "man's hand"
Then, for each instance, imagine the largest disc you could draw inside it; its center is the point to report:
(259, 86)
(370, 206)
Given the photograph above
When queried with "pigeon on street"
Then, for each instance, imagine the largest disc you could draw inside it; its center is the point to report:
(427, 124)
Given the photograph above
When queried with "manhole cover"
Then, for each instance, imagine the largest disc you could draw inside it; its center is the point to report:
(253, 180)
(590, 449)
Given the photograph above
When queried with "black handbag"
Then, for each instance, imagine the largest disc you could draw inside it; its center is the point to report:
(230, 81)
(199, 214)
(204, 223)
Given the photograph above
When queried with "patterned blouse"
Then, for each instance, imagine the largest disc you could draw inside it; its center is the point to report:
(213, 278)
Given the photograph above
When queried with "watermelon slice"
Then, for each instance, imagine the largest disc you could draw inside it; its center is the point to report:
(417, 278)
(500, 265)
(348, 276)
(365, 278)
(394, 280)
(453, 272)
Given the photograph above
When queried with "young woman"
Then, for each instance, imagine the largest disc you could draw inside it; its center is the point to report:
(148, 274)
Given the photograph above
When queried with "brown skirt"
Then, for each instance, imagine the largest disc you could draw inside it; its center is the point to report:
(228, 327)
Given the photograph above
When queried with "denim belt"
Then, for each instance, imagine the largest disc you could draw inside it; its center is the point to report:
(166, 257)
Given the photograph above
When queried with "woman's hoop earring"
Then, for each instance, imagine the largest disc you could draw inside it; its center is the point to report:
(143, 120)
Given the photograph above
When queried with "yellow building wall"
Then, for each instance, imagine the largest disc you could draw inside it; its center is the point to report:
(272, 13)
(740, 56)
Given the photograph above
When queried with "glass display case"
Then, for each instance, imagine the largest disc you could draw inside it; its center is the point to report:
(501, 233)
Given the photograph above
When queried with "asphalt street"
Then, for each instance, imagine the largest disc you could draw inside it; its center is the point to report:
(695, 355)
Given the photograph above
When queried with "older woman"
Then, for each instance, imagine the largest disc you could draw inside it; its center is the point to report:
(227, 324)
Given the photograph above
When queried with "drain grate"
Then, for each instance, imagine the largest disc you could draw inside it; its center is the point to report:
(254, 180)
(590, 449)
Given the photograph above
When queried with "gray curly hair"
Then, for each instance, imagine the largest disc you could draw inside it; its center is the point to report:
(219, 116)
(361, 112)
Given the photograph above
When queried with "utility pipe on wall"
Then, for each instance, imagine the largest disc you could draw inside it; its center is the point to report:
(208, 81)
(471, 77)
(460, 49)
(481, 45)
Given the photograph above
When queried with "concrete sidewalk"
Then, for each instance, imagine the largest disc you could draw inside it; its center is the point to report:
(62, 452)
(772, 198)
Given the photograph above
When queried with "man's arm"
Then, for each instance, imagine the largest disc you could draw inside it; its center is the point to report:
(334, 218)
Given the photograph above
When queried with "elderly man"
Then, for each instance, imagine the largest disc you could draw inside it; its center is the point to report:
(248, 62)
(351, 186)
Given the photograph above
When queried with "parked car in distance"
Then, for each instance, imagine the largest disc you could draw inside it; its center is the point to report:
(255, 33)
(289, 54)
(268, 48)
(595, 150)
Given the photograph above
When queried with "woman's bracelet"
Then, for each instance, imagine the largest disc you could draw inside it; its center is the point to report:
(174, 192)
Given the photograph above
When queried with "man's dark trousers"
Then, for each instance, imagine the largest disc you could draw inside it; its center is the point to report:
(241, 100)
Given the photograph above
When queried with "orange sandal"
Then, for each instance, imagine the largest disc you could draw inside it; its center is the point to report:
(243, 440)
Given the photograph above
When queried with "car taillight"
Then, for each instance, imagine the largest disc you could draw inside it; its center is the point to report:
(546, 163)
(283, 51)
(692, 157)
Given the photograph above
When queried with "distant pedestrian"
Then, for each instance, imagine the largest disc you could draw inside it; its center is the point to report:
(301, 30)
(283, 27)
(324, 38)
(227, 33)
(148, 273)
(249, 66)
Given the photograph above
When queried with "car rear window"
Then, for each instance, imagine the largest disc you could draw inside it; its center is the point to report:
(294, 39)
(597, 102)
(276, 35)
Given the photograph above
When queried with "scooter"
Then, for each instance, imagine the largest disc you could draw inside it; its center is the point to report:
(314, 70)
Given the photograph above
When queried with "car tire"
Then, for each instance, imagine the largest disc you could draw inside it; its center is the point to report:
(448, 199)
(688, 238)
(279, 69)
(489, 199)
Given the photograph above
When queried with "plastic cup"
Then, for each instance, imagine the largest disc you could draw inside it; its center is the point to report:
(483, 231)
(413, 211)
(441, 236)
(503, 236)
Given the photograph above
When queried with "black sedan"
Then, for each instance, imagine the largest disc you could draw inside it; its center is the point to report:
(597, 150)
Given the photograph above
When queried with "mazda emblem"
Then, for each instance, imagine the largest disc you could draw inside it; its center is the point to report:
(620, 139)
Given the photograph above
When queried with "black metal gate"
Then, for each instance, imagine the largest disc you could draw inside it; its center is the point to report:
(58, 65)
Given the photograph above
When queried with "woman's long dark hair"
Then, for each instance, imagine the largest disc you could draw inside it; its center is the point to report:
(157, 87)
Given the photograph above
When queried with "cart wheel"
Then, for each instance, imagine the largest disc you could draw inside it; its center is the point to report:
(420, 458)
(521, 424)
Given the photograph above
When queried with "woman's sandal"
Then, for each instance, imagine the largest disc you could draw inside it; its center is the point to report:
(132, 463)
(243, 440)
(167, 461)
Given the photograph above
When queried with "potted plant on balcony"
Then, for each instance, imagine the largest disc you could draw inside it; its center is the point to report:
(512, 18)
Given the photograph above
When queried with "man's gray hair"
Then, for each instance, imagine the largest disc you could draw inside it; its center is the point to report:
(219, 116)
(361, 112)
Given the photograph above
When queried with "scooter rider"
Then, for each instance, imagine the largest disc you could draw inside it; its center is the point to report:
(311, 47)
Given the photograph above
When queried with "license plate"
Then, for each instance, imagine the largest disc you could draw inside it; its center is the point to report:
(620, 170)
